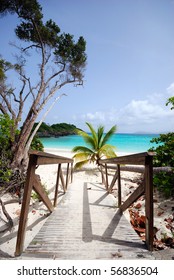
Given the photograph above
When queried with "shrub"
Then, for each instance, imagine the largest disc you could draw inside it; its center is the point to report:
(7, 136)
(6, 125)
(164, 181)
(37, 144)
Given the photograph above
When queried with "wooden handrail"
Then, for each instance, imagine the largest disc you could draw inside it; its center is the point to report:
(145, 159)
(32, 182)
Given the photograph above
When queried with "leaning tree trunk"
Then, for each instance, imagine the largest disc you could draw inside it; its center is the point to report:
(18, 161)
(20, 158)
(20, 148)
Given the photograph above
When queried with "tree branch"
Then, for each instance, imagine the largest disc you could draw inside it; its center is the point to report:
(30, 47)
(2, 109)
(55, 75)
(42, 49)
(39, 124)
(9, 107)
(10, 221)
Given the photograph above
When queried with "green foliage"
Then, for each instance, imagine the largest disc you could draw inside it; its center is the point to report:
(37, 144)
(58, 129)
(64, 128)
(171, 102)
(48, 32)
(6, 125)
(7, 136)
(164, 181)
(44, 127)
(72, 53)
(96, 148)
(2, 73)
(165, 150)
(26, 8)
(32, 29)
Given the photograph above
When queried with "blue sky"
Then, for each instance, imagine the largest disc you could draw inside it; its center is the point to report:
(130, 65)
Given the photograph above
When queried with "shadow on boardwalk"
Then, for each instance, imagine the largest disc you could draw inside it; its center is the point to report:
(87, 225)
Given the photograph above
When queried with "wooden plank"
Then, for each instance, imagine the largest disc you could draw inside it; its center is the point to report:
(135, 159)
(119, 160)
(25, 204)
(113, 181)
(47, 158)
(47, 155)
(51, 160)
(132, 198)
(37, 186)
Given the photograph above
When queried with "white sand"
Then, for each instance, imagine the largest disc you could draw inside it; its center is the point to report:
(38, 212)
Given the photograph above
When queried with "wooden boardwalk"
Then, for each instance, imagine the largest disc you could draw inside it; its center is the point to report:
(87, 225)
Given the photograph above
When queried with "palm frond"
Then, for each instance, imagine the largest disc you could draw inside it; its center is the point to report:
(88, 139)
(107, 150)
(80, 164)
(81, 156)
(81, 149)
(94, 135)
(100, 135)
(109, 134)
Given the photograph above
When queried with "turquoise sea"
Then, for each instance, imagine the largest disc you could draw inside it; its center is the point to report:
(124, 142)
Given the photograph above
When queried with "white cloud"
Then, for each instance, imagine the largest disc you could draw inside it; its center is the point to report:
(144, 111)
(148, 115)
(170, 89)
(99, 116)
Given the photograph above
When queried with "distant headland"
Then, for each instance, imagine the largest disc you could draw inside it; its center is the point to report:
(56, 130)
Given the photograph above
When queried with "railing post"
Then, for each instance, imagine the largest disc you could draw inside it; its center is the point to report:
(119, 185)
(102, 175)
(62, 180)
(57, 185)
(106, 172)
(71, 172)
(149, 201)
(25, 204)
(67, 176)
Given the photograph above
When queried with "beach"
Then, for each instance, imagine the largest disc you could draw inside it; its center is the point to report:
(38, 213)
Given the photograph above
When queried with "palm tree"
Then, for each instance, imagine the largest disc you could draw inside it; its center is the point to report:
(96, 148)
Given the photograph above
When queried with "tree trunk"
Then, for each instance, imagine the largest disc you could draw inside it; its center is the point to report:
(140, 169)
(20, 149)
(18, 157)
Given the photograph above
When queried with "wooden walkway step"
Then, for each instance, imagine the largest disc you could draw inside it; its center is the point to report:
(87, 225)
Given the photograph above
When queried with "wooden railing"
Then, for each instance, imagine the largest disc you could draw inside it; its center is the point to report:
(145, 159)
(32, 182)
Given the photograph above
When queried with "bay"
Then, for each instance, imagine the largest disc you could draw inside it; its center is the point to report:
(124, 142)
